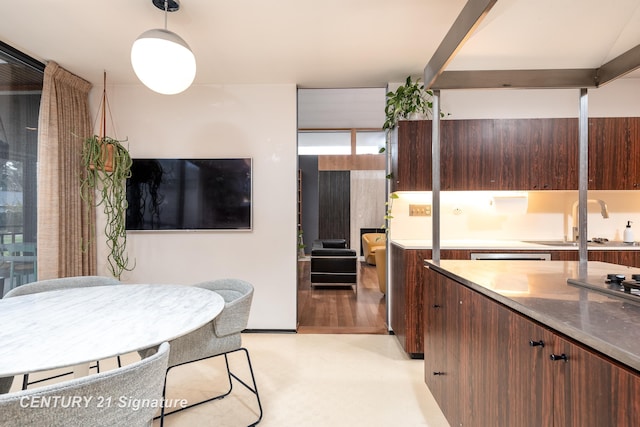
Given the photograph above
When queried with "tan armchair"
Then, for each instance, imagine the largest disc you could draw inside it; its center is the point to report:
(370, 243)
(381, 268)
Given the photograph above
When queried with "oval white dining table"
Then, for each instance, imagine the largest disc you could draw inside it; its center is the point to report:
(69, 327)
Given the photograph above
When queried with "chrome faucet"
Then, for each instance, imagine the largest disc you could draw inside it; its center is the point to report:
(604, 211)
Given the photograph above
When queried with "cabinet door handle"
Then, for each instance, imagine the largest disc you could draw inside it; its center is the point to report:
(533, 343)
(438, 373)
(559, 357)
(437, 306)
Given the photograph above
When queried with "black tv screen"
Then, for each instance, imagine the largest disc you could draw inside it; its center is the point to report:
(189, 194)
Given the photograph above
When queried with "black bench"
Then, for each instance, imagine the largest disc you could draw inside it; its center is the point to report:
(332, 263)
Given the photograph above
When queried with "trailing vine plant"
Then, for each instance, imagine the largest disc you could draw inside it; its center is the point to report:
(107, 165)
(388, 213)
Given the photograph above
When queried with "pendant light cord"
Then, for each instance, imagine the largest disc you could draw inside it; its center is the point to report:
(166, 10)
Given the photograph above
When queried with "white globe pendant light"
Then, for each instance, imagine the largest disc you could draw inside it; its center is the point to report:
(161, 59)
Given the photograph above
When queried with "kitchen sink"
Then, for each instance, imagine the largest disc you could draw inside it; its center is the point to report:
(612, 244)
(551, 242)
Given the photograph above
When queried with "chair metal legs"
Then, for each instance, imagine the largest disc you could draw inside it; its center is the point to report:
(230, 375)
(26, 383)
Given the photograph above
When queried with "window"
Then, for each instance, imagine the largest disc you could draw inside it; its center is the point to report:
(21, 80)
(333, 142)
(324, 143)
(369, 142)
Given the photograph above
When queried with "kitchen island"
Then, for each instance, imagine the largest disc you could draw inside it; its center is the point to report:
(407, 273)
(512, 343)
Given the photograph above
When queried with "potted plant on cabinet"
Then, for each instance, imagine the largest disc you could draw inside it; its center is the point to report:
(409, 101)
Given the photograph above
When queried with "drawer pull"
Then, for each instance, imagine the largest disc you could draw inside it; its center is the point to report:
(438, 373)
(559, 357)
(539, 343)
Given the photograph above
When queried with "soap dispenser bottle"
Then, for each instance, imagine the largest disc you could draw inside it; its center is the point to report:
(628, 233)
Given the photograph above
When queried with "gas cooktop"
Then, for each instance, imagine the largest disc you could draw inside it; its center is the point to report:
(614, 284)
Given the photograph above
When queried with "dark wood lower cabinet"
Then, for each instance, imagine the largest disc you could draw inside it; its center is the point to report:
(407, 278)
(487, 365)
(592, 391)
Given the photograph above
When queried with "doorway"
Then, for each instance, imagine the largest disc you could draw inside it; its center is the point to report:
(342, 189)
(338, 199)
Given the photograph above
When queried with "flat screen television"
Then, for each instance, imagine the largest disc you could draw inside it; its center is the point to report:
(189, 194)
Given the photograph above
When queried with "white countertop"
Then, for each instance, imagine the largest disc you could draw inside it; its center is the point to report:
(507, 245)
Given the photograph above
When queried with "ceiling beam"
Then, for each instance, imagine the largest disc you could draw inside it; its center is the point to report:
(619, 66)
(465, 24)
(516, 79)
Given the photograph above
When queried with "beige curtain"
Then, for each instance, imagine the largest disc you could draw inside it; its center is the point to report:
(63, 218)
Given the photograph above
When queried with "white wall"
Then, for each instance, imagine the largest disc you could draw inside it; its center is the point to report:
(620, 98)
(257, 121)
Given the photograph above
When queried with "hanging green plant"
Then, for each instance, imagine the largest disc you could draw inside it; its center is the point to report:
(107, 165)
(388, 213)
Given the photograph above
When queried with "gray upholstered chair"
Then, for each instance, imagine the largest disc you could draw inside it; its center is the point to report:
(5, 384)
(54, 285)
(61, 283)
(112, 398)
(220, 337)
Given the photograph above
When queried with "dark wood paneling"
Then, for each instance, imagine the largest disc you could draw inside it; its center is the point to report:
(441, 356)
(310, 199)
(526, 390)
(517, 154)
(590, 389)
(629, 258)
(334, 201)
(482, 369)
(614, 148)
(558, 159)
(411, 156)
(469, 155)
(408, 275)
(509, 154)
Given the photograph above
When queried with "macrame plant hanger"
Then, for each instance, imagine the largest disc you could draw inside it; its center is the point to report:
(107, 149)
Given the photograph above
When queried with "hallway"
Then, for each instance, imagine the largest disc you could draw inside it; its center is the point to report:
(339, 309)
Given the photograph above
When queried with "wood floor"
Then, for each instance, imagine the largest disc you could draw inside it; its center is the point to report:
(339, 309)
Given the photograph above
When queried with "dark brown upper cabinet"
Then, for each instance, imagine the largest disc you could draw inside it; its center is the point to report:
(517, 154)
(614, 153)
(411, 156)
(509, 154)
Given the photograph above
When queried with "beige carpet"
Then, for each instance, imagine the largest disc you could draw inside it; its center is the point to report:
(305, 380)
(313, 381)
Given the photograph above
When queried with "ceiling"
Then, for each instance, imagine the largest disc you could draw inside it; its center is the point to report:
(322, 44)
